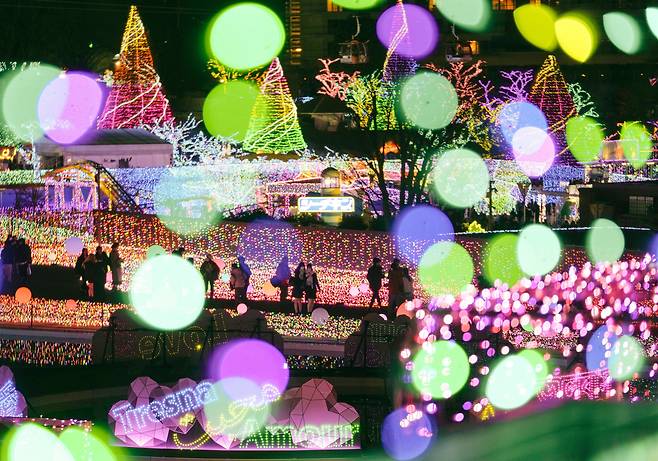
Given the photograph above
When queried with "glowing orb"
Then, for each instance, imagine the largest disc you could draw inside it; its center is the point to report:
(428, 100)
(251, 359)
(652, 20)
(20, 100)
(242, 308)
(626, 358)
(423, 32)
(471, 15)
(240, 409)
(155, 250)
(358, 4)
(85, 445)
(538, 249)
(69, 105)
(461, 178)
(536, 23)
(71, 304)
(446, 268)
(440, 370)
(637, 143)
(517, 115)
(354, 292)
(577, 36)
(168, 293)
(539, 365)
(417, 228)
(23, 295)
(73, 246)
(320, 316)
(512, 383)
(227, 109)
(31, 442)
(585, 137)
(534, 151)
(52, 257)
(605, 241)
(406, 435)
(623, 31)
(599, 348)
(501, 260)
(269, 289)
(189, 200)
(246, 36)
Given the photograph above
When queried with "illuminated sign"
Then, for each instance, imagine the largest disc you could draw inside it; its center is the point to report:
(12, 402)
(7, 153)
(326, 205)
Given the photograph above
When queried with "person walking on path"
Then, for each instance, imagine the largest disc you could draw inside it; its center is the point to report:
(115, 266)
(80, 269)
(394, 287)
(298, 281)
(23, 258)
(407, 285)
(375, 277)
(238, 282)
(244, 267)
(210, 272)
(312, 287)
(8, 258)
(282, 278)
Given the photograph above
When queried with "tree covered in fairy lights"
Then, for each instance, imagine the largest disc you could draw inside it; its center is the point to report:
(274, 127)
(136, 96)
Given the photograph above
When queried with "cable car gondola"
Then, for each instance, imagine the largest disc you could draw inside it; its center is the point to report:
(354, 51)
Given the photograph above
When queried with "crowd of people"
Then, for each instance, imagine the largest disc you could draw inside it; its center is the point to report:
(16, 258)
(92, 270)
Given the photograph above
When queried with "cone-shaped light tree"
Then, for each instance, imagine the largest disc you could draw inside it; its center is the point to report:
(274, 127)
(551, 94)
(136, 97)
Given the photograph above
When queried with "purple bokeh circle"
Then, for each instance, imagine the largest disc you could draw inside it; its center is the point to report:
(516, 115)
(422, 35)
(534, 151)
(418, 228)
(68, 106)
(407, 436)
(253, 360)
(653, 246)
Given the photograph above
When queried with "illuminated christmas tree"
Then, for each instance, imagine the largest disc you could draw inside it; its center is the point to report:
(136, 97)
(397, 66)
(274, 127)
(551, 94)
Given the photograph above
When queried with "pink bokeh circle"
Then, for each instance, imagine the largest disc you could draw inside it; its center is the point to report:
(534, 150)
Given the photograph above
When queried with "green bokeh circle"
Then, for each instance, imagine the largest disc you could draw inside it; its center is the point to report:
(626, 358)
(637, 143)
(512, 383)
(227, 109)
(501, 261)
(461, 178)
(605, 241)
(585, 138)
(623, 31)
(445, 268)
(538, 249)
(471, 15)
(32, 442)
(441, 369)
(85, 446)
(358, 4)
(536, 23)
(167, 292)
(538, 364)
(428, 100)
(246, 36)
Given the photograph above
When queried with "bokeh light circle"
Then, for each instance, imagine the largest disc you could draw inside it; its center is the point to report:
(446, 268)
(407, 436)
(428, 100)
(626, 358)
(512, 383)
(585, 138)
(473, 15)
(416, 228)
(73, 246)
(251, 359)
(538, 249)
(605, 241)
(534, 151)
(637, 143)
(599, 348)
(155, 250)
(501, 261)
(652, 20)
(536, 23)
(440, 370)
(23, 295)
(85, 445)
(32, 442)
(517, 115)
(358, 4)
(246, 36)
(320, 316)
(69, 105)
(461, 178)
(538, 364)
(423, 32)
(623, 31)
(227, 109)
(577, 36)
(167, 292)
(20, 100)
